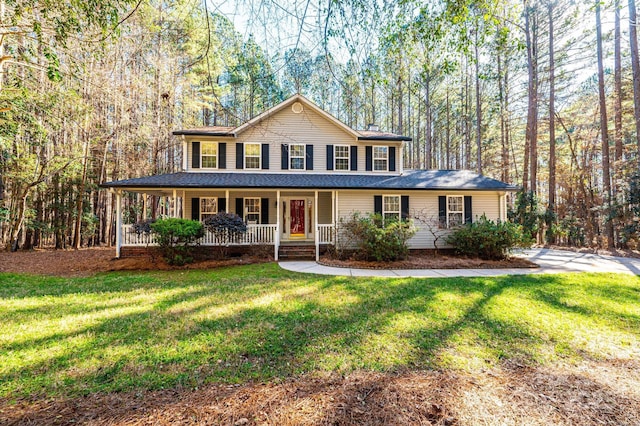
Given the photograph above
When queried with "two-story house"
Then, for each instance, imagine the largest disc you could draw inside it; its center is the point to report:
(293, 171)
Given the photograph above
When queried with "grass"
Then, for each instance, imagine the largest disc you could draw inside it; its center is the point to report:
(119, 331)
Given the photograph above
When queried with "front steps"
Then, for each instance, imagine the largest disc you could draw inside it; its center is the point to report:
(297, 252)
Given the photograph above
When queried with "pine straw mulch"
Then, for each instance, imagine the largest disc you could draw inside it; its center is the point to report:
(431, 261)
(592, 393)
(89, 261)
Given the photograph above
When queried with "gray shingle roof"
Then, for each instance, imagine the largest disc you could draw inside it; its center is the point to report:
(410, 180)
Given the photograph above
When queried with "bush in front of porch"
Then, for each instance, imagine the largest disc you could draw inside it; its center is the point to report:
(227, 229)
(176, 237)
(379, 239)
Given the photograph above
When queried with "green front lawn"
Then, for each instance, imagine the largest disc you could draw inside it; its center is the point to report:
(116, 331)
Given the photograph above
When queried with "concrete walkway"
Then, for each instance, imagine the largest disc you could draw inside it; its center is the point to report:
(550, 261)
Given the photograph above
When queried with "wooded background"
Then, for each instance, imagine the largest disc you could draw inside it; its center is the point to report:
(545, 95)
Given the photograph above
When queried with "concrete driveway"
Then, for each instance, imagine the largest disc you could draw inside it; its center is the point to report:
(550, 261)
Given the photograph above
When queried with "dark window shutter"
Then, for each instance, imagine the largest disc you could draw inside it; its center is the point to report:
(264, 211)
(195, 208)
(354, 158)
(404, 207)
(222, 205)
(368, 153)
(392, 158)
(442, 210)
(222, 155)
(309, 149)
(195, 155)
(284, 157)
(240, 207)
(265, 156)
(329, 157)
(377, 204)
(239, 156)
(468, 214)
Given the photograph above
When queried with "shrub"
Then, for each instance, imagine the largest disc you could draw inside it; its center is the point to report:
(176, 237)
(487, 239)
(226, 229)
(377, 239)
(143, 226)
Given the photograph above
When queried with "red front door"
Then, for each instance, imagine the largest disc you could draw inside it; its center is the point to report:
(297, 218)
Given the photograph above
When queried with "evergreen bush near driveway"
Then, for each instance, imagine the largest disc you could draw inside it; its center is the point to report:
(176, 238)
(487, 239)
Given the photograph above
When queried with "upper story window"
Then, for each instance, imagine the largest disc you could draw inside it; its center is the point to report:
(252, 210)
(296, 156)
(380, 158)
(341, 157)
(252, 155)
(209, 155)
(208, 207)
(455, 210)
(391, 207)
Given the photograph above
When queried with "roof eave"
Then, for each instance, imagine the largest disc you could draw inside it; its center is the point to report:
(385, 138)
(202, 133)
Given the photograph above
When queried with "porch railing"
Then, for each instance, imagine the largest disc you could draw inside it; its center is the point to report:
(256, 234)
(326, 234)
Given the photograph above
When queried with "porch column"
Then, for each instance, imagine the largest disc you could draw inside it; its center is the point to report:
(175, 204)
(336, 220)
(226, 204)
(184, 197)
(315, 221)
(144, 206)
(276, 243)
(118, 222)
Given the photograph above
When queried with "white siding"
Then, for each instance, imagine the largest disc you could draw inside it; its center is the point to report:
(422, 204)
(286, 127)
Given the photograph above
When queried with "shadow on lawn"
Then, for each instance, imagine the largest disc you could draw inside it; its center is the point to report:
(231, 329)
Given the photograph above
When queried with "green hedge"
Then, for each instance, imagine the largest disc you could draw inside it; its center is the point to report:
(176, 238)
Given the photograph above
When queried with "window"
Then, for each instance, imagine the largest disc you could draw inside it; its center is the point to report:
(252, 155)
(380, 158)
(252, 210)
(455, 210)
(391, 207)
(341, 157)
(208, 207)
(209, 155)
(296, 156)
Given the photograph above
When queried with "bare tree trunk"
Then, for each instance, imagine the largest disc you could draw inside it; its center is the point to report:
(531, 136)
(635, 65)
(478, 107)
(617, 100)
(606, 177)
(428, 131)
(552, 129)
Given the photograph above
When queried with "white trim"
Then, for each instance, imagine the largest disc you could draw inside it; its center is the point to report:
(295, 98)
(118, 222)
(399, 212)
(315, 226)
(245, 211)
(253, 156)
(373, 158)
(455, 211)
(303, 156)
(200, 206)
(335, 157)
(226, 203)
(217, 156)
(278, 227)
(185, 154)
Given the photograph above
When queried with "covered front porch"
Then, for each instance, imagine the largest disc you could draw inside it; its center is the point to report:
(273, 217)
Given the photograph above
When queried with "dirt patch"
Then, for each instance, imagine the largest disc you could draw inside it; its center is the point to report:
(431, 261)
(83, 262)
(593, 393)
